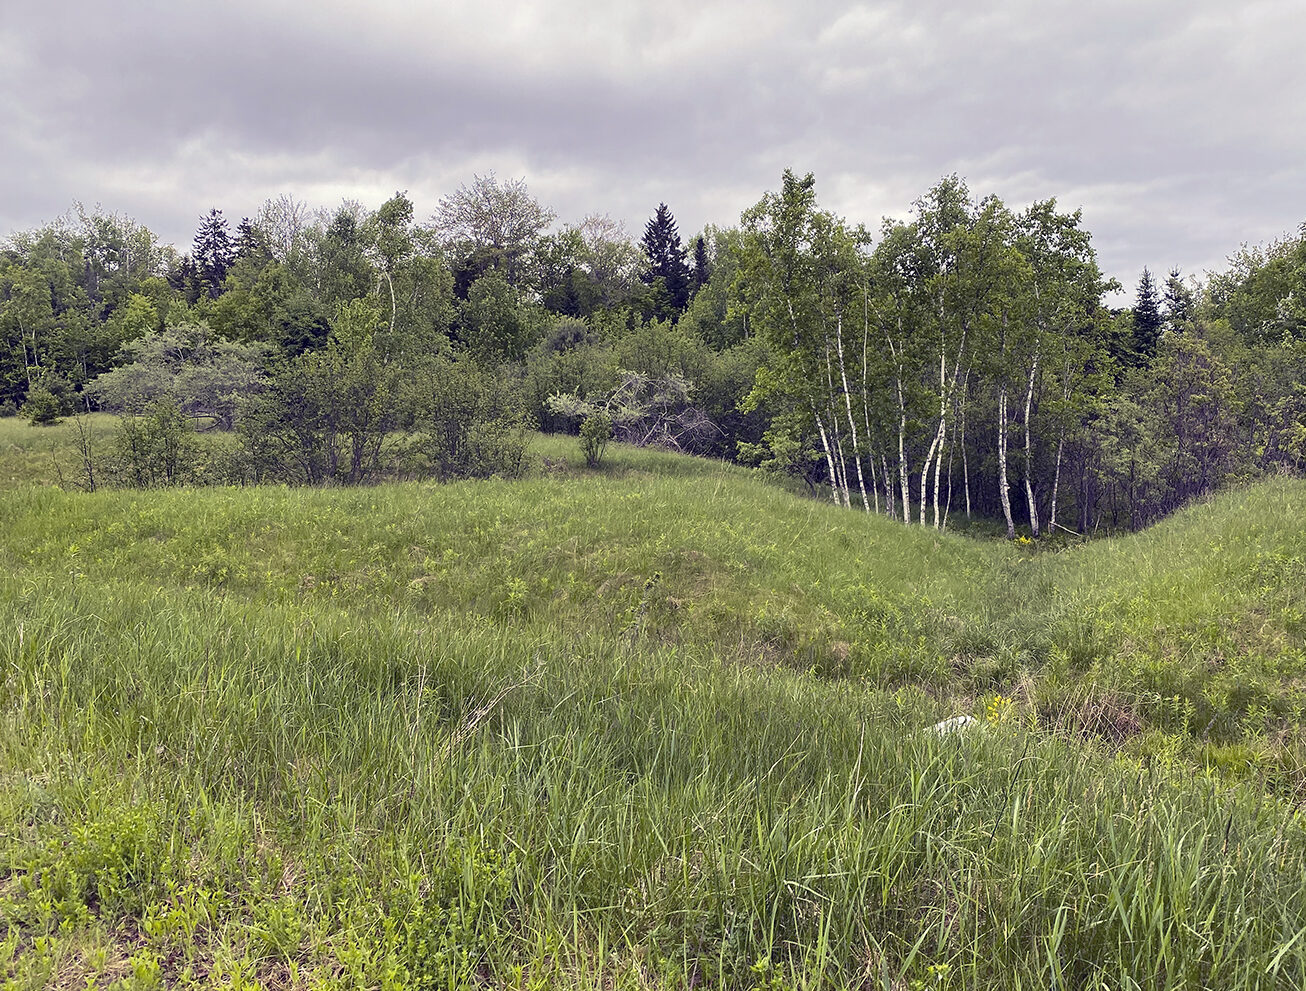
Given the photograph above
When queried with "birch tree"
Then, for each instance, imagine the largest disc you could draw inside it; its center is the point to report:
(967, 269)
(800, 274)
(1063, 289)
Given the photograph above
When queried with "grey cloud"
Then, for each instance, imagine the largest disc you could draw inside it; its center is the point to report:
(1177, 126)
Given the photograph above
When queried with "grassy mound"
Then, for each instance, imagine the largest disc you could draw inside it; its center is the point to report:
(656, 725)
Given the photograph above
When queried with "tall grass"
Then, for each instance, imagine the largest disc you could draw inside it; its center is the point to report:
(545, 797)
(625, 729)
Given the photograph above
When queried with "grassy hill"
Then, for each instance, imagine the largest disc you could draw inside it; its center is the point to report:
(656, 725)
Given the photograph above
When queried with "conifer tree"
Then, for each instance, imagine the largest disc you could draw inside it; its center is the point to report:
(1178, 302)
(666, 260)
(702, 267)
(213, 253)
(1147, 319)
(251, 242)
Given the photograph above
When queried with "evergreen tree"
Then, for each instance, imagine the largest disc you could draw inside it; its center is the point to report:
(184, 277)
(666, 260)
(702, 267)
(251, 242)
(213, 253)
(1147, 319)
(1178, 302)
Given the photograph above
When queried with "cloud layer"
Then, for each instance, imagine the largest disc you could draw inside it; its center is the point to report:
(1178, 127)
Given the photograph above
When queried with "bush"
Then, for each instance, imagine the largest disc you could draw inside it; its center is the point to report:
(595, 433)
(469, 423)
(155, 449)
(43, 407)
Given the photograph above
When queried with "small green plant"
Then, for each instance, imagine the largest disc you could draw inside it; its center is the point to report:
(595, 432)
(43, 408)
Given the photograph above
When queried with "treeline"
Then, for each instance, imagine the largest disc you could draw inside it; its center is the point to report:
(959, 362)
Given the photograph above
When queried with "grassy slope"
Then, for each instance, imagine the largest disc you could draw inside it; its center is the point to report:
(566, 731)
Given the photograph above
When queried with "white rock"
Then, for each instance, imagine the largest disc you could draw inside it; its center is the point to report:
(954, 725)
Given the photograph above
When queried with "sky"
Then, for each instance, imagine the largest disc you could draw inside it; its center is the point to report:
(1178, 128)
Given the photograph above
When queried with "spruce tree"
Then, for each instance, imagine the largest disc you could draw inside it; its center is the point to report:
(666, 261)
(1178, 302)
(702, 267)
(251, 242)
(1147, 319)
(212, 252)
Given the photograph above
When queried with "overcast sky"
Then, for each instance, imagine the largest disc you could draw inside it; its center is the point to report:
(1178, 127)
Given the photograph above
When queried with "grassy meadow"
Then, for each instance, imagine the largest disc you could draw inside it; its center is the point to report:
(654, 725)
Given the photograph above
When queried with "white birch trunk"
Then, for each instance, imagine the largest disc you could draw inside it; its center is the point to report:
(875, 482)
(829, 459)
(1029, 467)
(902, 429)
(848, 404)
(1061, 444)
(936, 444)
(1003, 495)
(1056, 481)
(965, 464)
(902, 461)
(888, 485)
(835, 440)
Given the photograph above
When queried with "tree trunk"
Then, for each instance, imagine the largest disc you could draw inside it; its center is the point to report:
(1004, 495)
(1056, 480)
(829, 459)
(875, 484)
(852, 423)
(965, 464)
(1029, 460)
(902, 456)
(888, 486)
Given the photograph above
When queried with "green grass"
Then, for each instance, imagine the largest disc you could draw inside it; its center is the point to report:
(42, 455)
(658, 725)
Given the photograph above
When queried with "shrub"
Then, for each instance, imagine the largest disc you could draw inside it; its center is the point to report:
(43, 407)
(595, 433)
(469, 423)
(157, 448)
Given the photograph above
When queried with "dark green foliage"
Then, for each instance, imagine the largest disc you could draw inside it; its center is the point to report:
(43, 407)
(328, 412)
(702, 267)
(495, 324)
(268, 304)
(585, 368)
(565, 287)
(343, 272)
(716, 314)
(1179, 302)
(251, 243)
(346, 415)
(666, 272)
(1263, 293)
(1147, 319)
(212, 254)
(183, 279)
